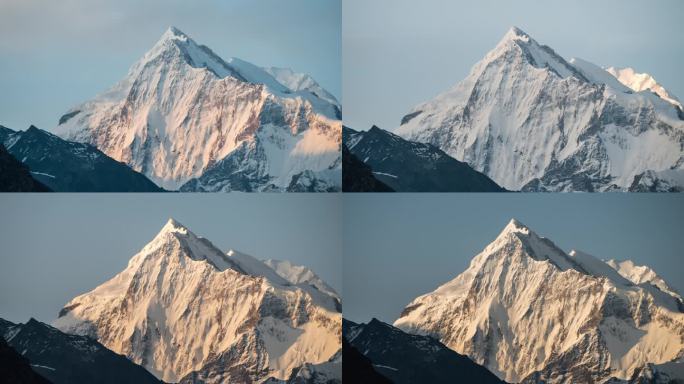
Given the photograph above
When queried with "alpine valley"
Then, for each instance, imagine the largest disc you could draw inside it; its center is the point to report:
(184, 311)
(533, 121)
(191, 121)
(531, 313)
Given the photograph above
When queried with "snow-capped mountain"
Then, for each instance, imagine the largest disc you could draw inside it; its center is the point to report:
(182, 112)
(533, 121)
(188, 312)
(530, 312)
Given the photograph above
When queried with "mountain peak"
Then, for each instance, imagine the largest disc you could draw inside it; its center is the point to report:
(515, 226)
(172, 225)
(173, 33)
(515, 33)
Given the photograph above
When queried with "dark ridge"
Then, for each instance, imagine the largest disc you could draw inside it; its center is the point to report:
(66, 166)
(358, 176)
(408, 166)
(15, 175)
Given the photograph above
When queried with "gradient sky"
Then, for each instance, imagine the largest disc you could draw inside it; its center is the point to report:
(57, 246)
(398, 53)
(56, 54)
(400, 246)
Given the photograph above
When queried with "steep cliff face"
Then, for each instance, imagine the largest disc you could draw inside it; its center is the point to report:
(182, 111)
(185, 310)
(528, 311)
(533, 121)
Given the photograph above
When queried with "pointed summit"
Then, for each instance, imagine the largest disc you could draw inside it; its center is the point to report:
(515, 33)
(172, 225)
(516, 226)
(173, 33)
(513, 227)
(533, 53)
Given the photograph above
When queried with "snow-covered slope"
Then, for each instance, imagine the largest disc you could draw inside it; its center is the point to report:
(642, 82)
(299, 274)
(184, 309)
(301, 82)
(181, 111)
(642, 274)
(531, 120)
(530, 312)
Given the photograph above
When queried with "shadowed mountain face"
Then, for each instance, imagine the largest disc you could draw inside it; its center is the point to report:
(358, 176)
(406, 358)
(16, 369)
(407, 166)
(358, 368)
(66, 166)
(15, 176)
(63, 358)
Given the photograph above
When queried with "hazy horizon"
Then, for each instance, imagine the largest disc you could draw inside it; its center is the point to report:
(397, 54)
(56, 55)
(400, 246)
(59, 246)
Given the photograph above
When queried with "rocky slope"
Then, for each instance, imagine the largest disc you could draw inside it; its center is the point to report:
(407, 166)
(188, 312)
(16, 176)
(69, 359)
(358, 368)
(406, 358)
(357, 176)
(533, 121)
(66, 166)
(530, 312)
(190, 120)
(16, 369)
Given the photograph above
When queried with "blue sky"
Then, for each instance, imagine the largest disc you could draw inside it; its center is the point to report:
(400, 246)
(398, 53)
(57, 246)
(56, 54)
